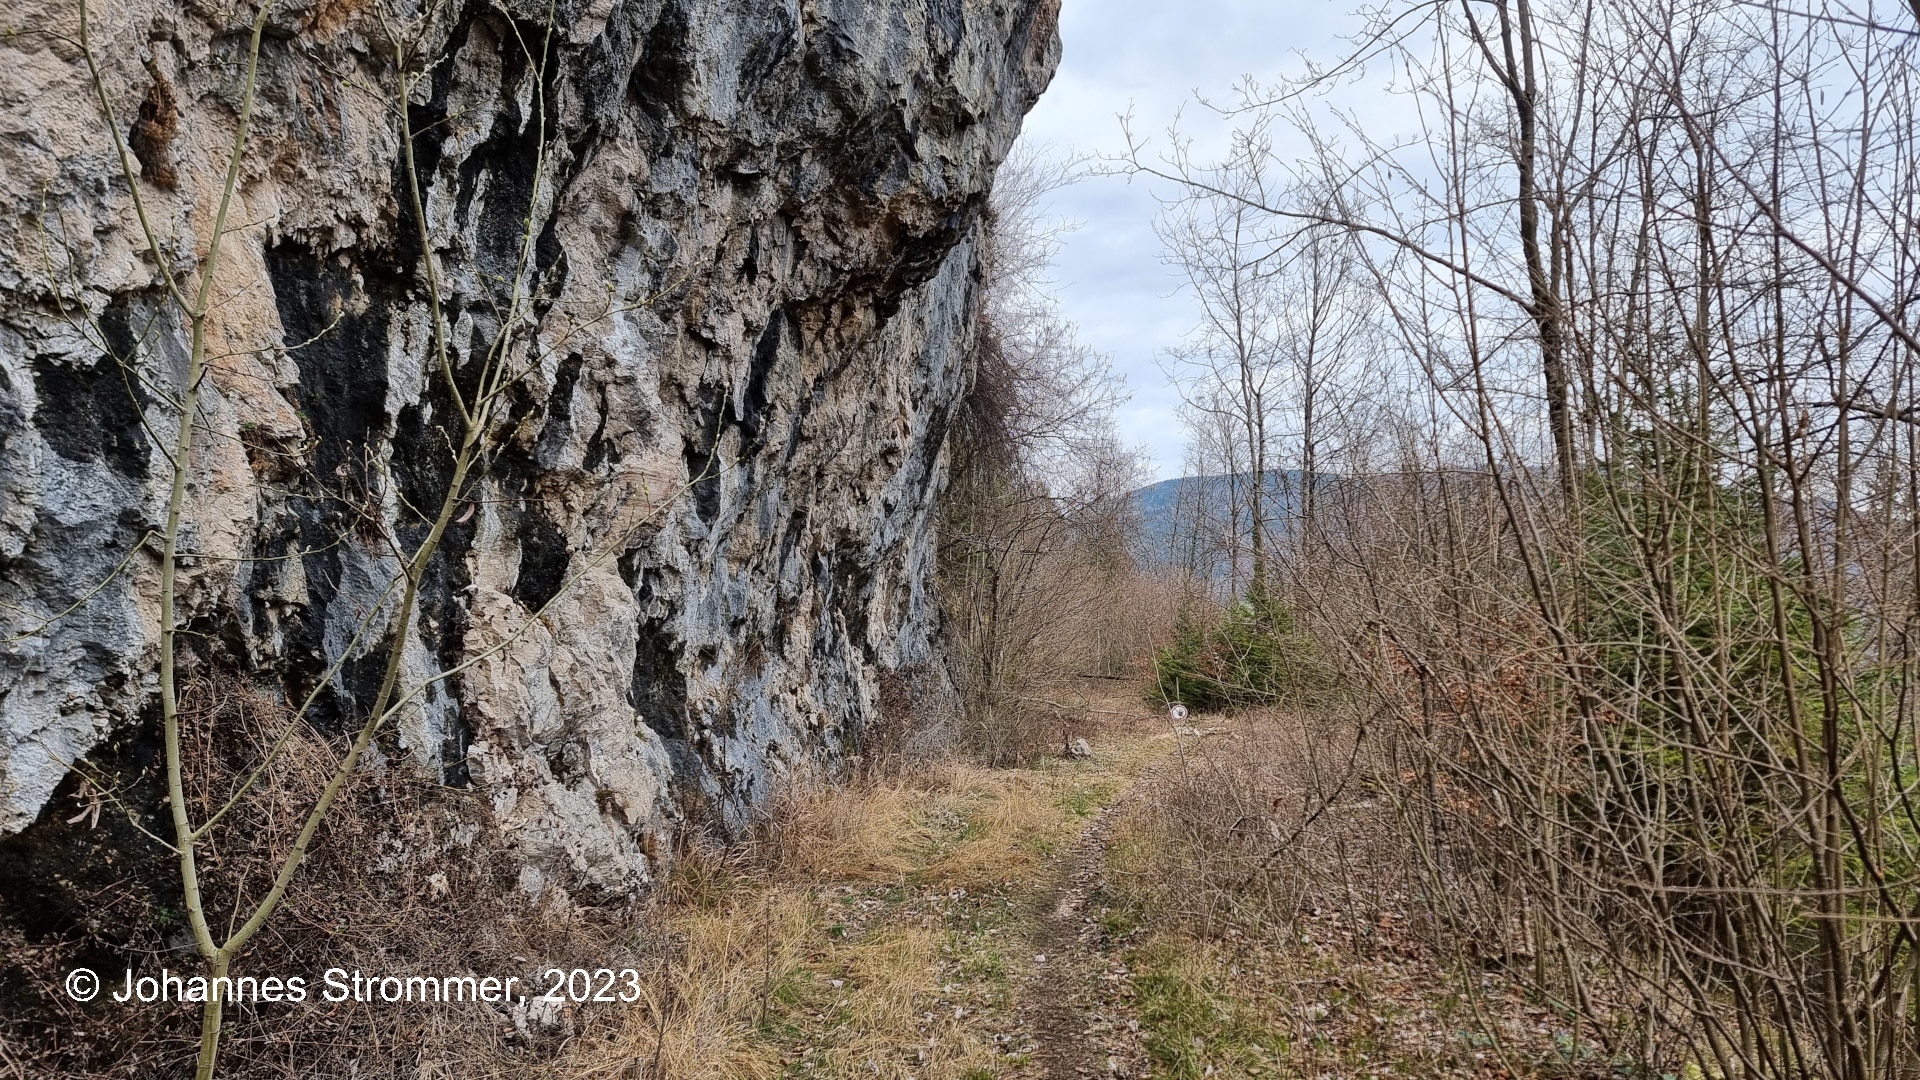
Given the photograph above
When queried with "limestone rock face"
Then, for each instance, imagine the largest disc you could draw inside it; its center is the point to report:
(745, 237)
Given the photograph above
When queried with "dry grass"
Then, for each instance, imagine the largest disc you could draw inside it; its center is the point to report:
(1263, 894)
(1253, 918)
(949, 824)
(871, 931)
(1257, 820)
(880, 929)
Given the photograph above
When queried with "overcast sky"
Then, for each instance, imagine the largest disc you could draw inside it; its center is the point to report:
(1152, 56)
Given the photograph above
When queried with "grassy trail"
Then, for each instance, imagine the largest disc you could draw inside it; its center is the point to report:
(964, 923)
(894, 929)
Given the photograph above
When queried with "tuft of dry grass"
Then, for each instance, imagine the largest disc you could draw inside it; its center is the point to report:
(701, 1003)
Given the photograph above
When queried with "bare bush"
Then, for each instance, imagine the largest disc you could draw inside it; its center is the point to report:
(1036, 555)
(1625, 581)
(1247, 826)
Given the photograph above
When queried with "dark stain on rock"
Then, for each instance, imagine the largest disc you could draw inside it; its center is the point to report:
(88, 413)
(774, 41)
(98, 893)
(428, 122)
(702, 451)
(342, 358)
(665, 65)
(558, 426)
(508, 160)
(751, 412)
(422, 467)
(658, 689)
(338, 316)
(454, 771)
(543, 560)
(52, 873)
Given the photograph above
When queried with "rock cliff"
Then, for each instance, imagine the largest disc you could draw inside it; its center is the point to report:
(752, 229)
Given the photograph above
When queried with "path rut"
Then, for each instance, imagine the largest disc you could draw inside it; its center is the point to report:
(1073, 997)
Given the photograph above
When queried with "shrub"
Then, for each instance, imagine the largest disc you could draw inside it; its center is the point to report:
(1252, 655)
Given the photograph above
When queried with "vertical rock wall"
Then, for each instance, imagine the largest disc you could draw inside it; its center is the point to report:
(752, 228)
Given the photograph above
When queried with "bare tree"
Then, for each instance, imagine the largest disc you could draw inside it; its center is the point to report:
(1036, 539)
(1635, 596)
(1282, 328)
(1231, 370)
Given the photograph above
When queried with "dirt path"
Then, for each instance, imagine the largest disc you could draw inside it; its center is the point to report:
(967, 923)
(945, 924)
(1072, 1000)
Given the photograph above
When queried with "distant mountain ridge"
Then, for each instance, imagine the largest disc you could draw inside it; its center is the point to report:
(1169, 509)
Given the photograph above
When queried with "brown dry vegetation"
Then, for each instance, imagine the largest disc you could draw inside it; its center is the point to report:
(880, 929)
(1592, 400)
(1127, 915)
(377, 896)
(1267, 904)
(1230, 898)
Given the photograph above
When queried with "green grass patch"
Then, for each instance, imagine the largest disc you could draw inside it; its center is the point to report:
(1195, 1025)
(1085, 799)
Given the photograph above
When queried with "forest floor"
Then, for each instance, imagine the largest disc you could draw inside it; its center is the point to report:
(962, 922)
